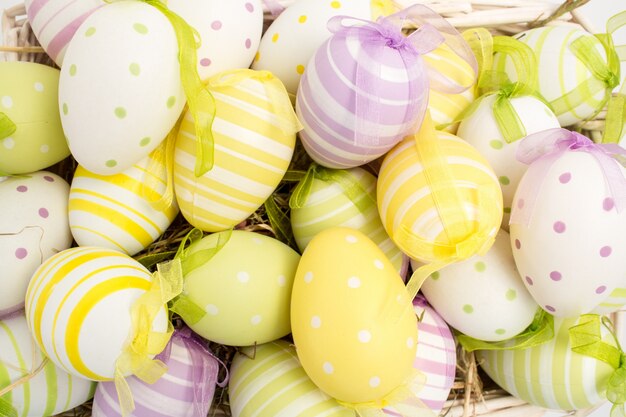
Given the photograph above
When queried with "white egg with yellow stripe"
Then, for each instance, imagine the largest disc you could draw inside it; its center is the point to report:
(268, 381)
(254, 138)
(51, 391)
(614, 302)
(78, 308)
(117, 211)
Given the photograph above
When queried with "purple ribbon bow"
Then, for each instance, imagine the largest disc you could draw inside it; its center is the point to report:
(540, 150)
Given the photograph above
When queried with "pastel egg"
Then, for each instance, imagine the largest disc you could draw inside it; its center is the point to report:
(251, 154)
(78, 309)
(294, 36)
(268, 381)
(116, 110)
(55, 22)
(351, 318)
(614, 302)
(115, 211)
(329, 204)
(406, 202)
(33, 227)
(550, 375)
(28, 97)
(481, 130)
(571, 260)
(483, 297)
(188, 366)
(230, 32)
(244, 289)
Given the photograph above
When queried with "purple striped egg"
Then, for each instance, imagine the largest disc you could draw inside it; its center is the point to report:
(173, 394)
(357, 99)
(435, 357)
(55, 22)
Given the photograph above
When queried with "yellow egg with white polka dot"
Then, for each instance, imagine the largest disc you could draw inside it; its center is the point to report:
(292, 39)
(28, 103)
(352, 321)
(243, 290)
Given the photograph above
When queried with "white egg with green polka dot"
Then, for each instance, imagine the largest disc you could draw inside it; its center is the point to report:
(120, 91)
(483, 297)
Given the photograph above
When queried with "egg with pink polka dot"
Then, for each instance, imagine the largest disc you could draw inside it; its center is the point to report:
(34, 226)
(230, 32)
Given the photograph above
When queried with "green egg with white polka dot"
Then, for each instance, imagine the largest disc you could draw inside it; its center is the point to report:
(244, 290)
(31, 136)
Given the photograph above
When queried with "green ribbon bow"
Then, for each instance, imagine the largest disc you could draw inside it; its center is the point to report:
(586, 339)
(7, 127)
(7, 409)
(540, 331)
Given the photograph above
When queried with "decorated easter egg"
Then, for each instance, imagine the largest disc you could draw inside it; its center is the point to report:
(614, 302)
(28, 99)
(483, 297)
(352, 321)
(54, 23)
(51, 391)
(481, 130)
(117, 211)
(268, 380)
(189, 366)
(78, 308)
(435, 357)
(571, 259)
(244, 289)
(550, 375)
(229, 32)
(33, 227)
(116, 111)
(343, 198)
(294, 36)
(254, 133)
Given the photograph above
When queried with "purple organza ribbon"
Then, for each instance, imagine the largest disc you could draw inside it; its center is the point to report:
(204, 371)
(540, 150)
(274, 7)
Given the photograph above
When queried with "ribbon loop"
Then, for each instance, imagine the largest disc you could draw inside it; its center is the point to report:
(7, 127)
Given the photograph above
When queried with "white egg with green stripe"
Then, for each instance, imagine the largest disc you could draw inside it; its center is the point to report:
(268, 381)
(614, 302)
(51, 391)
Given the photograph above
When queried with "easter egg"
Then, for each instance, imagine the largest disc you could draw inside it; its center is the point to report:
(78, 308)
(329, 204)
(229, 32)
(268, 380)
(483, 297)
(51, 391)
(294, 36)
(244, 289)
(251, 154)
(189, 366)
(481, 130)
(28, 97)
(33, 227)
(614, 302)
(550, 375)
(120, 91)
(571, 259)
(352, 321)
(115, 211)
(55, 22)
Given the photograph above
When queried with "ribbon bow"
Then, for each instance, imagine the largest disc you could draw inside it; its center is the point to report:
(586, 339)
(540, 150)
(7, 127)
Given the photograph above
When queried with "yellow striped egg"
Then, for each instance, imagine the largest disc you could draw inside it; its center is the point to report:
(252, 151)
(614, 302)
(49, 392)
(115, 211)
(268, 381)
(78, 308)
(329, 205)
(406, 203)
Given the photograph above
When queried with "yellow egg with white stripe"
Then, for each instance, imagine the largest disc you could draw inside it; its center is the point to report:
(254, 135)
(78, 308)
(115, 211)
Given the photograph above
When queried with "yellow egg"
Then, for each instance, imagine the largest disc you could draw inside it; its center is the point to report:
(352, 321)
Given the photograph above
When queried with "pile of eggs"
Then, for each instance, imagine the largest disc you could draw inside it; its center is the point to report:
(400, 176)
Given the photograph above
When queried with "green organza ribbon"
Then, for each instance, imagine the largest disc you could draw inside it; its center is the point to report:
(586, 339)
(7, 127)
(540, 331)
(6, 409)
